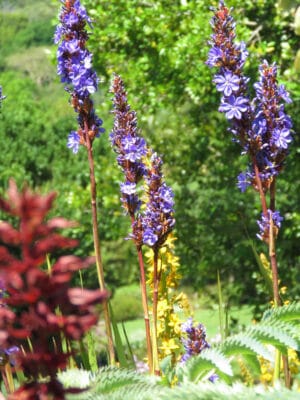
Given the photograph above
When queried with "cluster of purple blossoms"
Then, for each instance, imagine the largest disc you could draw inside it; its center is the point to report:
(265, 223)
(158, 219)
(130, 147)
(75, 68)
(152, 226)
(260, 126)
(194, 342)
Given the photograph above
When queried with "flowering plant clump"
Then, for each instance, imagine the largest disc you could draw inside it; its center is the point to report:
(261, 125)
(44, 320)
(137, 161)
(40, 306)
(75, 69)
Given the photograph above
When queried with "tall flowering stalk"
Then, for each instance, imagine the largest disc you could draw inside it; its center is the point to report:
(131, 148)
(156, 223)
(40, 307)
(152, 223)
(260, 125)
(75, 69)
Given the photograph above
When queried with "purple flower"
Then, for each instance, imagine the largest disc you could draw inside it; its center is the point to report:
(73, 141)
(233, 107)
(128, 188)
(134, 148)
(282, 138)
(227, 83)
(72, 46)
(166, 197)
(149, 237)
(214, 56)
(264, 224)
(244, 181)
(1, 96)
(284, 94)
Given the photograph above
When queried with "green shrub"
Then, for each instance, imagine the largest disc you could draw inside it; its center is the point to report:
(126, 303)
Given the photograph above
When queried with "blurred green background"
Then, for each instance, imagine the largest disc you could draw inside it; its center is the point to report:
(159, 48)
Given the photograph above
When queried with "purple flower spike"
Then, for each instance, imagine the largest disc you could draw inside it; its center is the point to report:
(152, 226)
(194, 342)
(75, 69)
(129, 146)
(260, 126)
(158, 216)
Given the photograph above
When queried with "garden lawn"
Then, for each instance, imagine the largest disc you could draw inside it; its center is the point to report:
(135, 329)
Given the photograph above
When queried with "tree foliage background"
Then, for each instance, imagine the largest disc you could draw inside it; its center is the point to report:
(159, 48)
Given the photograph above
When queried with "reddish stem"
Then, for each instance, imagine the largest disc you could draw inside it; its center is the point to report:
(96, 239)
(155, 303)
(144, 302)
(260, 189)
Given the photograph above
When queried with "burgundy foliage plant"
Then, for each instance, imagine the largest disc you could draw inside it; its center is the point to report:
(40, 307)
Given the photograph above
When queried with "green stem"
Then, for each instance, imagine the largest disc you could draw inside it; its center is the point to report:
(99, 265)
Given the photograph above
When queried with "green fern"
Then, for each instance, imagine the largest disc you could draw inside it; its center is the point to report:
(221, 391)
(286, 313)
(245, 343)
(279, 335)
(111, 383)
(204, 365)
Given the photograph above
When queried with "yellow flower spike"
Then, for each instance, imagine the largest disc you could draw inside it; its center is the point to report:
(267, 368)
(169, 323)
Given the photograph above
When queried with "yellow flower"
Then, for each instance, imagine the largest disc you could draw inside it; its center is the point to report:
(168, 346)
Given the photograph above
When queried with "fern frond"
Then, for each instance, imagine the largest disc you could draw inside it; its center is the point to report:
(253, 363)
(243, 343)
(279, 335)
(220, 391)
(109, 379)
(287, 313)
(111, 383)
(209, 361)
